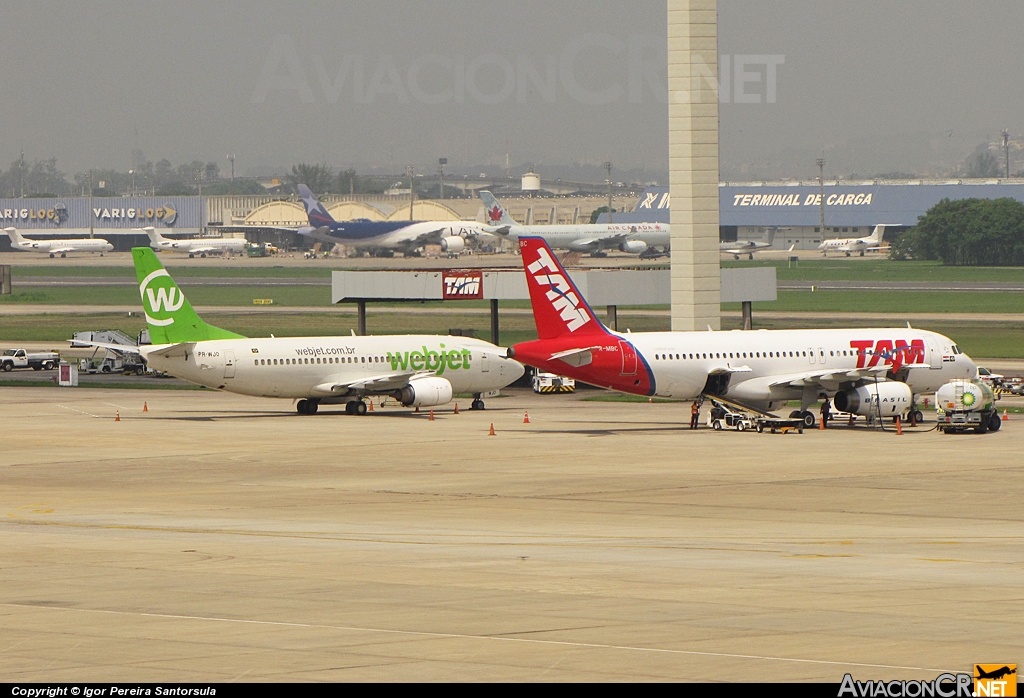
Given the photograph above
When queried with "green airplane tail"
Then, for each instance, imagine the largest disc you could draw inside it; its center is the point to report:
(169, 315)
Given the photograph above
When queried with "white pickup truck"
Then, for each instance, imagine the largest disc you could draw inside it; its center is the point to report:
(19, 358)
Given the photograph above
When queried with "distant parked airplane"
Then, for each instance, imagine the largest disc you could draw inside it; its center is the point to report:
(57, 247)
(196, 246)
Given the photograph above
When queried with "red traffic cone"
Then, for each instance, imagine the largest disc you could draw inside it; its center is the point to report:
(526, 417)
(117, 416)
(899, 427)
(371, 405)
(456, 408)
(431, 415)
(821, 425)
(1006, 417)
(491, 432)
(145, 407)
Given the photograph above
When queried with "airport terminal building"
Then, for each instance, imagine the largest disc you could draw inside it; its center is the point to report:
(747, 211)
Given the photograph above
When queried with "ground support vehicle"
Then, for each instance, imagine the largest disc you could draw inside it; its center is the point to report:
(722, 417)
(550, 383)
(37, 361)
(966, 404)
(783, 424)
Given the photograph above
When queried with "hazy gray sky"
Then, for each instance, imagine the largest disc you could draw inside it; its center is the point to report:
(875, 86)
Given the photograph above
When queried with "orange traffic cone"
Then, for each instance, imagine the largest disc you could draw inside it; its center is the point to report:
(821, 425)
(456, 408)
(491, 432)
(117, 416)
(526, 417)
(431, 415)
(371, 405)
(1006, 417)
(899, 427)
(145, 407)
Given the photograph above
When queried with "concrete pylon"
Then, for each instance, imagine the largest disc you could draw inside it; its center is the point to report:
(693, 162)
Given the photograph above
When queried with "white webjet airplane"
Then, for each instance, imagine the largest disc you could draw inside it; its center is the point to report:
(200, 246)
(870, 243)
(748, 247)
(633, 238)
(418, 371)
(57, 247)
(870, 372)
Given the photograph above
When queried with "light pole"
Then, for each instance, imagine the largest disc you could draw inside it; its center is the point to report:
(91, 214)
(411, 171)
(199, 178)
(1006, 149)
(441, 162)
(132, 173)
(232, 159)
(821, 193)
(608, 166)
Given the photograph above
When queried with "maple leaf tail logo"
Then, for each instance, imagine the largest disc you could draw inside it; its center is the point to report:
(495, 214)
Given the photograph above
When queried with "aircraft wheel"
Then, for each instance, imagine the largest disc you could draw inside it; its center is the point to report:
(191, 256)
(751, 256)
(63, 255)
(360, 407)
(301, 406)
(203, 256)
(478, 404)
(861, 254)
(52, 255)
(312, 406)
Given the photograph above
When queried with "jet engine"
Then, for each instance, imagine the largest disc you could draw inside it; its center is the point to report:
(453, 244)
(633, 246)
(889, 399)
(425, 392)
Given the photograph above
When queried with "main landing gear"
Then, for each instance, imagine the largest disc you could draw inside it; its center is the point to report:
(477, 404)
(806, 415)
(307, 406)
(355, 407)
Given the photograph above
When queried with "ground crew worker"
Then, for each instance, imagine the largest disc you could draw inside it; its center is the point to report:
(826, 413)
(694, 414)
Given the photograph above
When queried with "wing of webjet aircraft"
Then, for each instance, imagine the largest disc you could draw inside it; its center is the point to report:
(385, 382)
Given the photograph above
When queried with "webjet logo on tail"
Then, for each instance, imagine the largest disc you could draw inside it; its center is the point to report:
(163, 300)
(544, 271)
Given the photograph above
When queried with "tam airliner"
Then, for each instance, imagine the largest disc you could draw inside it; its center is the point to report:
(865, 371)
(57, 247)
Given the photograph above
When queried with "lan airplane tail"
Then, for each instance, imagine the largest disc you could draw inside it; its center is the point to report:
(315, 211)
(496, 213)
(169, 315)
(559, 309)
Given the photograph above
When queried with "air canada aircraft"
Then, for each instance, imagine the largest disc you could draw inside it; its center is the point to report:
(870, 243)
(57, 247)
(876, 372)
(197, 246)
(634, 238)
(405, 236)
(420, 371)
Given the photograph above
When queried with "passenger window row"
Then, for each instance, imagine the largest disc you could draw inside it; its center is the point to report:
(751, 355)
(327, 360)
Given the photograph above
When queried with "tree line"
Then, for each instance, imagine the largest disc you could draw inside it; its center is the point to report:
(967, 232)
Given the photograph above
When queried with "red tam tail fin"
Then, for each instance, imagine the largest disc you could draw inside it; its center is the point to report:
(559, 308)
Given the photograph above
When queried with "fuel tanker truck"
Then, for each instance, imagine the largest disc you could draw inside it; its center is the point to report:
(966, 404)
